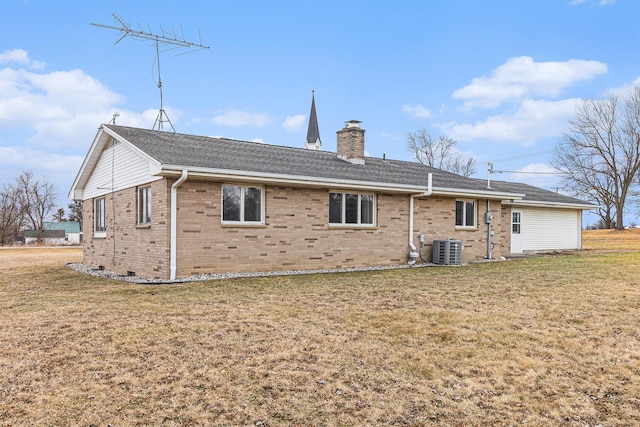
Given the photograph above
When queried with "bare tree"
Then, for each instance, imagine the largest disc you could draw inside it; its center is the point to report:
(75, 212)
(11, 213)
(461, 165)
(38, 199)
(440, 153)
(599, 155)
(59, 216)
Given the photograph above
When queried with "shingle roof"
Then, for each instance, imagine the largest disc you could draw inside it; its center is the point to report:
(192, 151)
(50, 234)
(534, 194)
(67, 226)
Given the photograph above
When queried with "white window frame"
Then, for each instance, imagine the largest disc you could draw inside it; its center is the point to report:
(144, 205)
(516, 222)
(464, 214)
(343, 207)
(242, 203)
(100, 217)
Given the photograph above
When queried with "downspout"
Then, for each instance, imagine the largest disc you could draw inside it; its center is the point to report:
(488, 221)
(173, 265)
(411, 222)
(413, 254)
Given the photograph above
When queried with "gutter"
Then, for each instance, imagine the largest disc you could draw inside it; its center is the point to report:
(280, 179)
(558, 205)
(424, 194)
(492, 195)
(173, 265)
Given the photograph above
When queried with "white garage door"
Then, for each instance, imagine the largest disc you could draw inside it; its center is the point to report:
(549, 229)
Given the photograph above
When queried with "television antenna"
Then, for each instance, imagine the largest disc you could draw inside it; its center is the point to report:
(166, 38)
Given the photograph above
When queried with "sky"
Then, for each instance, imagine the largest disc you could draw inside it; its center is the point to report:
(501, 77)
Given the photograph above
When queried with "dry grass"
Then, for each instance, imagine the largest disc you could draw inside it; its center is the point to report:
(612, 239)
(542, 341)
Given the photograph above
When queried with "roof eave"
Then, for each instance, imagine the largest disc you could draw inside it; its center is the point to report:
(90, 160)
(542, 204)
(491, 195)
(310, 181)
(284, 179)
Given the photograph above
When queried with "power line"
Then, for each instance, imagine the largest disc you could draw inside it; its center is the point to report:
(530, 173)
(490, 169)
(523, 156)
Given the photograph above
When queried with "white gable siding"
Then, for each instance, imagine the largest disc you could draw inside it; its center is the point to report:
(128, 169)
(549, 229)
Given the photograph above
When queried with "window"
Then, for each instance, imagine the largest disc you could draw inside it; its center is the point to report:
(348, 208)
(465, 213)
(144, 205)
(516, 220)
(242, 204)
(99, 217)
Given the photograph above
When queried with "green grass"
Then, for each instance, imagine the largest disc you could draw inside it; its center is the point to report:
(539, 341)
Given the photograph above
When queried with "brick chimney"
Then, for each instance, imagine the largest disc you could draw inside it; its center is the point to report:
(351, 142)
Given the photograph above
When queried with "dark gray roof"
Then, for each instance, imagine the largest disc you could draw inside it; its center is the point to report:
(534, 193)
(192, 151)
(49, 234)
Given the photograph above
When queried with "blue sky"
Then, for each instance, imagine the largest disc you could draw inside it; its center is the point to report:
(500, 77)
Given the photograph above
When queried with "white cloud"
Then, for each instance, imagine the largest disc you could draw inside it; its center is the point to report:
(55, 106)
(40, 110)
(521, 78)
(623, 90)
(233, 117)
(58, 169)
(294, 123)
(417, 111)
(538, 168)
(193, 121)
(532, 121)
(19, 57)
(258, 140)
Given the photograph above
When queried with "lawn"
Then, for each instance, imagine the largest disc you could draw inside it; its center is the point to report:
(553, 340)
(612, 239)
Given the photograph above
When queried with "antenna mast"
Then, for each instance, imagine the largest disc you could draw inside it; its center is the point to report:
(164, 39)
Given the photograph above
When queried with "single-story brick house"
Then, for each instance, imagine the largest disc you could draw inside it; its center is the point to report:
(166, 205)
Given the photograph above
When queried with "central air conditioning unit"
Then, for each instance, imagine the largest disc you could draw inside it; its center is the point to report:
(447, 252)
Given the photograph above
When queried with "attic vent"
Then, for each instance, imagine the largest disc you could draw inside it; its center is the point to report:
(447, 252)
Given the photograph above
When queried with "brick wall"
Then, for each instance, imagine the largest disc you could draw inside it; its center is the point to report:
(296, 234)
(434, 217)
(143, 250)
